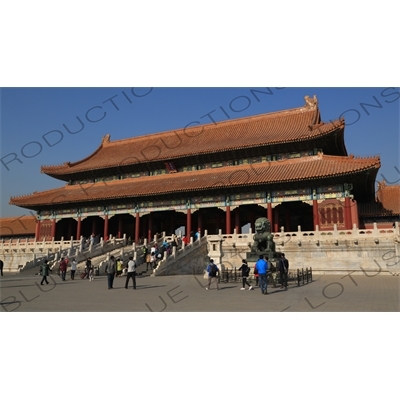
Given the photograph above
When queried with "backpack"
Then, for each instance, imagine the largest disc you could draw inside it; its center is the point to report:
(213, 270)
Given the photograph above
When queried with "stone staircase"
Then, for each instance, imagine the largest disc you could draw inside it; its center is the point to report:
(190, 260)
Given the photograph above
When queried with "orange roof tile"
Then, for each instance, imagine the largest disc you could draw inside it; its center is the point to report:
(389, 196)
(286, 126)
(310, 168)
(18, 226)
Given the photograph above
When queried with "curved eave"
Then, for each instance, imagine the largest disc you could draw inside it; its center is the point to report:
(286, 171)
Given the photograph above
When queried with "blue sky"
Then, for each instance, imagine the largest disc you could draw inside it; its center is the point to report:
(35, 123)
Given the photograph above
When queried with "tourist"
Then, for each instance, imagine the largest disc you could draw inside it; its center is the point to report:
(73, 268)
(119, 267)
(153, 260)
(110, 271)
(63, 268)
(256, 273)
(44, 271)
(245, 274)
(174, 242)
(213, 271)
(148, 260)
(283, 267)
(262, 268)
(131, 273)
(91, 275)
(92, 239)
(185, 240)
(144, 253)
(1, 267)
(89, 267)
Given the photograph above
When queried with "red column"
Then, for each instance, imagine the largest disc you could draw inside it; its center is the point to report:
(119, 226)
(315, 214)
(269, 214)
(37, 231)
(137, 228)
(105, 236)
(188, 223)
(354, 213)
(237, 221)
(347, 213)
(78, 229)
(228, 220)
(53, 229)
(149, 238)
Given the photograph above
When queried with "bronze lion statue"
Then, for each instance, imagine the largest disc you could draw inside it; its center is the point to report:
(263, 238)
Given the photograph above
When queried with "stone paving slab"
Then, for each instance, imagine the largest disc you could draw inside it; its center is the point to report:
(327, 293)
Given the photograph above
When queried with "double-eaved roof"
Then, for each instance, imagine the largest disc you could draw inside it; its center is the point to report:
(286, 130)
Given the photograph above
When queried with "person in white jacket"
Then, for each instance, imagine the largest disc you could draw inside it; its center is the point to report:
(131, 273)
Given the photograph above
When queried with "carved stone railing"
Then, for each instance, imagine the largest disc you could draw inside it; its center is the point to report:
(317, 236)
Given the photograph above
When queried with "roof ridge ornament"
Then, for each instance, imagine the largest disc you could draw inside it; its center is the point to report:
(311, 102)
(105, 139)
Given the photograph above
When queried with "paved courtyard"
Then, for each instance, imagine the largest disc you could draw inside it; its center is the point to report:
(333, 293)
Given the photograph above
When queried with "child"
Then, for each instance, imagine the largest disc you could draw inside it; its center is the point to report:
(256, 274)
(245, 274)
(91, 275)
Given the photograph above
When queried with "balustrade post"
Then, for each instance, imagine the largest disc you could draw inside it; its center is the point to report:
(376, 233)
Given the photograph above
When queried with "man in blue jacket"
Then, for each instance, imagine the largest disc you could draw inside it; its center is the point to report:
(213, 272)
(262, 268)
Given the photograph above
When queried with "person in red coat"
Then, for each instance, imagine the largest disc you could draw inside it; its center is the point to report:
(63, 268)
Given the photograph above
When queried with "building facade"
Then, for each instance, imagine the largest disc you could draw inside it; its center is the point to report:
(288, 166)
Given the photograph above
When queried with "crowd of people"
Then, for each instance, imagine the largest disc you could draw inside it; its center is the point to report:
(261, 270)
(153, 254)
